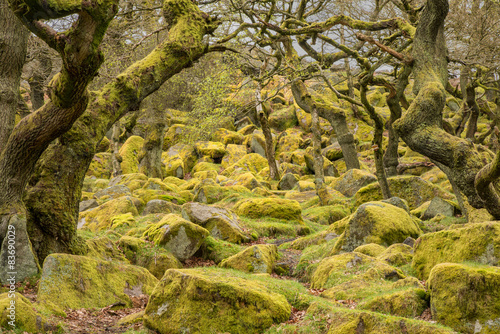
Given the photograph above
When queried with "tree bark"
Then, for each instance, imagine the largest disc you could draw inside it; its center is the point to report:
(150, 157)
(60, 174)
(421, 126)
(378, 151)
(13, 41)
(263, 111)
(116, 158)
(335, 116)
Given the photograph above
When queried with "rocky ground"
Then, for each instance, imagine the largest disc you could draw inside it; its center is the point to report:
(217, 247)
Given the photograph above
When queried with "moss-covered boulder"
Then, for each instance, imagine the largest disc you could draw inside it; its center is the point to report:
(334, 270)
(158, 206)
(221, 223)
(131, 181)
(409, 303)
(178, 235)
(351, 181)
(248, 180)
(141, 253)
(18, 314)
(226, 137)
(174, 166)
(209, 192)
(113, 192)
(203, 301)
(104, 248)
(289, 141)
(377, 222)
(439, 206)
(174, 135)
(214, 150)
(100, 166)
(252, 162)
(326, 215)
(269, 207)
(333, 152)
(254, 259)
(233, 154)
(466, 298)
(288, 181)
(129, 152)
(478, 242)
(71, 281)
(413, 189)
(100, 218)
(397, 254)
(373, 250)
(283, 118)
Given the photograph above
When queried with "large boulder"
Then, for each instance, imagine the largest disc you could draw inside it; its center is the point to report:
(409, 303)
(283, 118)
(221, 223)
(439, 206)
(19, 314)
(71, 281)
(377, 222)
(131, 181)
(254, 259)
(478, 242)
(354, 179)
(100, 166)
(178, 235)
(113, 192)
(130, 152)
(226, 137)
(288, 181)
(100, 218)
(252, 162)
(207, 301)
(269, 207)
(233, 154)
(466, 298)
(214, 150)
(413, 189)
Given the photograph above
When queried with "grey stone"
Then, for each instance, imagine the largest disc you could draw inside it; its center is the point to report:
(157, 206)
(288, 181)
(353, 180)
(87, 205)
(400, 203)
(439, 206)
(25, 261)
(333, 152)
(113, 192)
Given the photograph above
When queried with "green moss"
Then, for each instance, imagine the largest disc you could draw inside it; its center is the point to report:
(269, 207)
(408, 303)
(466, 297)
(283, 118)
(178, 235)
(207, 301)
(218, 250)
(271, 227)
(254, 259)
(101, 166)
(338, 269)
(205, 166)
(252, 162)
(104, 248)
(233, 154)
(214, 150)
(397, 254)
(100, 218)
(132, 181)
(377, 222)
(226, 137)
(326, 215)
(129, 152)
(370, 249)
(413, 189)
(71, 281)
(478, 242)
(310, 258)
(25, 317)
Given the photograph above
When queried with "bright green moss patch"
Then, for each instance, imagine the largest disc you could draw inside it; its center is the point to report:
(100, 218)
(326, 215)
(254, 259)
(269, 207)
(478, 242)
(373, 250)
(71, 281)
(408, 303)
(466, 297)
(207, 301)
(129, 152)
(21, 315)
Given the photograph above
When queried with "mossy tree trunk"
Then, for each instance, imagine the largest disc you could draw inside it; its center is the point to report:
(263, 111)
(13, 41)
(81, 56)
(421, 126)
(41, 69)
(150, 157)
(335, 116)
(378, 151)
(391, 157)
(54, 193)
(116, 158)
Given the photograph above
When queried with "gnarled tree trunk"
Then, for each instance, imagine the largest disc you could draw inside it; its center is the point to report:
(421, 126)
(60, 173)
